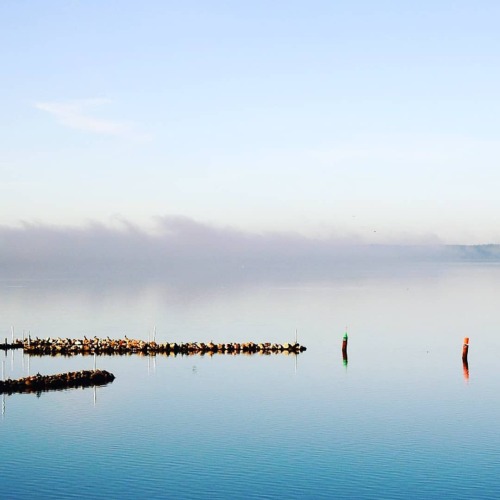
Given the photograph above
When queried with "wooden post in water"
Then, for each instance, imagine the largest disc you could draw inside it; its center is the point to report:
(344, 343)
(465, 349)
(344, 349)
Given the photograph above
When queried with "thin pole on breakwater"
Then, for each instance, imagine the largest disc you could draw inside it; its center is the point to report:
(95, 361)
(296, 336)
(12, 330)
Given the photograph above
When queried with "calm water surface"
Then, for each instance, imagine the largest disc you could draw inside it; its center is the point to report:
(401, 420)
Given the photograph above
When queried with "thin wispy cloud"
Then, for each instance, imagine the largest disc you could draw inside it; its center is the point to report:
(80, 115)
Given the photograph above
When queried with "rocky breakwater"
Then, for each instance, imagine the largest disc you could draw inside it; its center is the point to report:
(130, 346)
(37, 383)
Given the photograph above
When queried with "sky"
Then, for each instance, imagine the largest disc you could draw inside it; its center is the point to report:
(371, 121)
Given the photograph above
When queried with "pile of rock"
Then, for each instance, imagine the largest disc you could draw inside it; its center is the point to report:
(130, 346)
(37, 383)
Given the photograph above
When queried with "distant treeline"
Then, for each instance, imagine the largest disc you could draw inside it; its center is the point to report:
(479, 253)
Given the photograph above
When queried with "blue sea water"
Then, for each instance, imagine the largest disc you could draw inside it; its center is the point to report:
(401, 419)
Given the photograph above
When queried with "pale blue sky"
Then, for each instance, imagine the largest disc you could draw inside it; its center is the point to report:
(374, 119)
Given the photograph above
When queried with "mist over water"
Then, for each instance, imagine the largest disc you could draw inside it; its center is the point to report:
(185, 252)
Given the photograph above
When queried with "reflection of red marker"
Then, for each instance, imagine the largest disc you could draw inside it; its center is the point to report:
(465, 349)
(466, 370)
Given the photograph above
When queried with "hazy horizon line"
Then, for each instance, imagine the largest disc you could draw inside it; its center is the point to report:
(182, 239)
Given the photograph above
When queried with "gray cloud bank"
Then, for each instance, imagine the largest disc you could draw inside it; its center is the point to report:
(184, 249)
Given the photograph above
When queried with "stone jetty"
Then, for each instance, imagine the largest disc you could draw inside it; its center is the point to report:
(37, 383)
(96, 345)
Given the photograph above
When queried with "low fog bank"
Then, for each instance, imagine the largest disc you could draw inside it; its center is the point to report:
(185, 249)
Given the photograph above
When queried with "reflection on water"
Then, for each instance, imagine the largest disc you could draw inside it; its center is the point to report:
(345, 359)
(465, 365)
(399, 423)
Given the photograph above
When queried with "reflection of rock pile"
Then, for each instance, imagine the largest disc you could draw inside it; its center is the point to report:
(38, 382)
(17, 344)
(127, 346)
